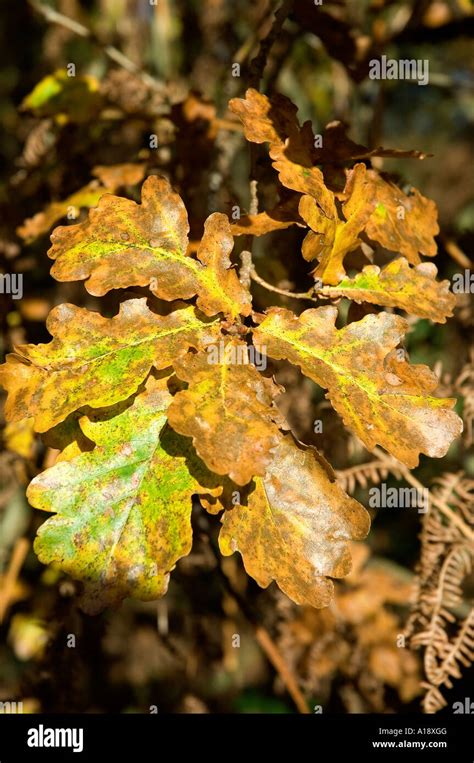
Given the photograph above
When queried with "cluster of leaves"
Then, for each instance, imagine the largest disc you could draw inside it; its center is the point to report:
(148, 415)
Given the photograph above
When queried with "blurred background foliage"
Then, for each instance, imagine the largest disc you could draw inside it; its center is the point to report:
(164, 71)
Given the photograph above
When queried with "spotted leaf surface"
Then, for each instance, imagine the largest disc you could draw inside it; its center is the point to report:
(295, 527)
(414, 290)
(379, 395)
(404, 223)
(124, 244)
(95, 361)
(228, 410)
(122, 511)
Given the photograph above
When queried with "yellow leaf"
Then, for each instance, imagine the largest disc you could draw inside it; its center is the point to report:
(414, 290)
(332, 239)
(95, 361)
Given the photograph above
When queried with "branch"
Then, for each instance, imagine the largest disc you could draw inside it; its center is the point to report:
(16, 563)
(257, 65)
(301, 295)
(116, 55)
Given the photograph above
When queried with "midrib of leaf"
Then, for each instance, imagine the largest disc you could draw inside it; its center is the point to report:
(131, 497)
(122, 348)
(100, 248)
(369, 389)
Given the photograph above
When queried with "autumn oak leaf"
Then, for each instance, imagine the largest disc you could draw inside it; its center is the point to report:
(413, 289)
(383, 399)
(124, 244)
(122, 512)
(295, 527)
(404, 223)
(331, 238)
(228, 410)
(96, 361)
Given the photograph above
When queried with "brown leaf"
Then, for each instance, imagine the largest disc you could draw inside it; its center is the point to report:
(282, 216)
(295, 527)
(403, 223)
(228, 410)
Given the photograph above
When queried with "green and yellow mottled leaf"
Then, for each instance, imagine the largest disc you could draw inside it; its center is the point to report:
(95, 361)
(228, 410)
(124, 244)
(379, 395)
(220, 290)
(414, 290)
(122, 511)
(295, 527)
(404, 223)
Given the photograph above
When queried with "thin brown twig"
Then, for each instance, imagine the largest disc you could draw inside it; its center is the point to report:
(263, 637)
(116, 55)
(294, 295)
(456, 253)
(16, 563)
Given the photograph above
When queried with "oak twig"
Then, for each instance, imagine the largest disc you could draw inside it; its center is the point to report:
(116, 55)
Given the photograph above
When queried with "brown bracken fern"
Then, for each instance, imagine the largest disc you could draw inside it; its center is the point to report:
(441, 622)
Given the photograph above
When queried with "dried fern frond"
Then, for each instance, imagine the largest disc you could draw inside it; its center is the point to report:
(464, 386)
(437, 622)
(371, 472)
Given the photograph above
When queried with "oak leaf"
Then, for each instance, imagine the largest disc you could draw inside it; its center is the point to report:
(383, 399)
(111, 178)
(124, 244)
(414, 290)
(122, 511)
(404, 223)
(95, 361)
(283, 215)
(295, 527)
(291, 146)
(228, 410)
(330, 238)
